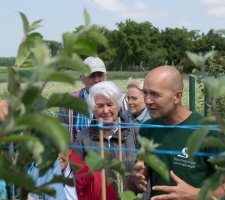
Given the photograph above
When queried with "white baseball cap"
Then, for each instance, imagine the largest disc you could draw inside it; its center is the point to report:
(95, 64)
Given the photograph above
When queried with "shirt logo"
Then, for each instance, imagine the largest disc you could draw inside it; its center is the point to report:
(184, 153)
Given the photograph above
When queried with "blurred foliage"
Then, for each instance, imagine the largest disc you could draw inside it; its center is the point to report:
(212, 67)
(33, 135)
(27, 134)
(210, 70)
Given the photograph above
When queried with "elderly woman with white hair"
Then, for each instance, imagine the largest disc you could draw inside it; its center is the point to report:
(105, 101)
(137, 111)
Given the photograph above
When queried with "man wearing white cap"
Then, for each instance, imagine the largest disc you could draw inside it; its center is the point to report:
(75, 121)
(97, 72)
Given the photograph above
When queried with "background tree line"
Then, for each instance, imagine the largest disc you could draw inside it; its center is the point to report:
(141, 46)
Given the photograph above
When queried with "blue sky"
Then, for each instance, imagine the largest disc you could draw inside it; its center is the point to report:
(60, 16)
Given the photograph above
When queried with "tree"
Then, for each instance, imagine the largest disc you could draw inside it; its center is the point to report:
(7, 61)
(176, 42)
(207, 41)
(134, 43)
(55, 47)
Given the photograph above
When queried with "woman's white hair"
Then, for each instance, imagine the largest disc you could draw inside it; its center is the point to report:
(137, 83)
(107, 89)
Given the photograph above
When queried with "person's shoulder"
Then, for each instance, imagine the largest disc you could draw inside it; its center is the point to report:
(196, 114)
(195, 118)
(77, 93)
(144, 115)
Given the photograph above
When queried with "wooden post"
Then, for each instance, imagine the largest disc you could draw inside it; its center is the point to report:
(102, 156)
(120, 150)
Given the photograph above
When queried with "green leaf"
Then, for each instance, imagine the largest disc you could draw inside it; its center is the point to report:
(16, 177)
(118, 167)
(68, 101)
(32, 100)
(155, 163)
(217, 161)
(59, 76)
(36, 148)
(220, 160)
(212, 142)
(35, 25)
(62, 179)
(30, 95)
(75, 166)
(195, 141)
(42, 55)
(49, 155)
(25, 75)
(74, 63)
(13, 85)
(44, 190)
(210, 185)
(99, 38)
(85, 46)
(49, 127)
(4, 162)
(25, 57)
(25, 23)
(94, 161)
(18, 138)
(87, 18)
(69, 40)
(195, 58)
(110, 180)
(128, 195)
(146, 143)
(209, 55)
(215, 86)
(209, 120)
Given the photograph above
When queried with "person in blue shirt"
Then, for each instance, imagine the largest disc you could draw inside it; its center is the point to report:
(56, 170)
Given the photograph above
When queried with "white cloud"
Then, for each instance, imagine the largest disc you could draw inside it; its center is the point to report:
(139, 5)
(136, 10)
(110, 5)
(217, 11)
(215, 7)
(213, 2)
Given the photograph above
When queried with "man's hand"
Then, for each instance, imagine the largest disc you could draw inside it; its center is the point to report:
(138, 177)
(181, 191)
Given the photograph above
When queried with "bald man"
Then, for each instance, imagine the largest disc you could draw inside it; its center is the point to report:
(163, 90)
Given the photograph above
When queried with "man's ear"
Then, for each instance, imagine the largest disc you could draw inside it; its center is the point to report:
(178, 96)
(82, 78)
